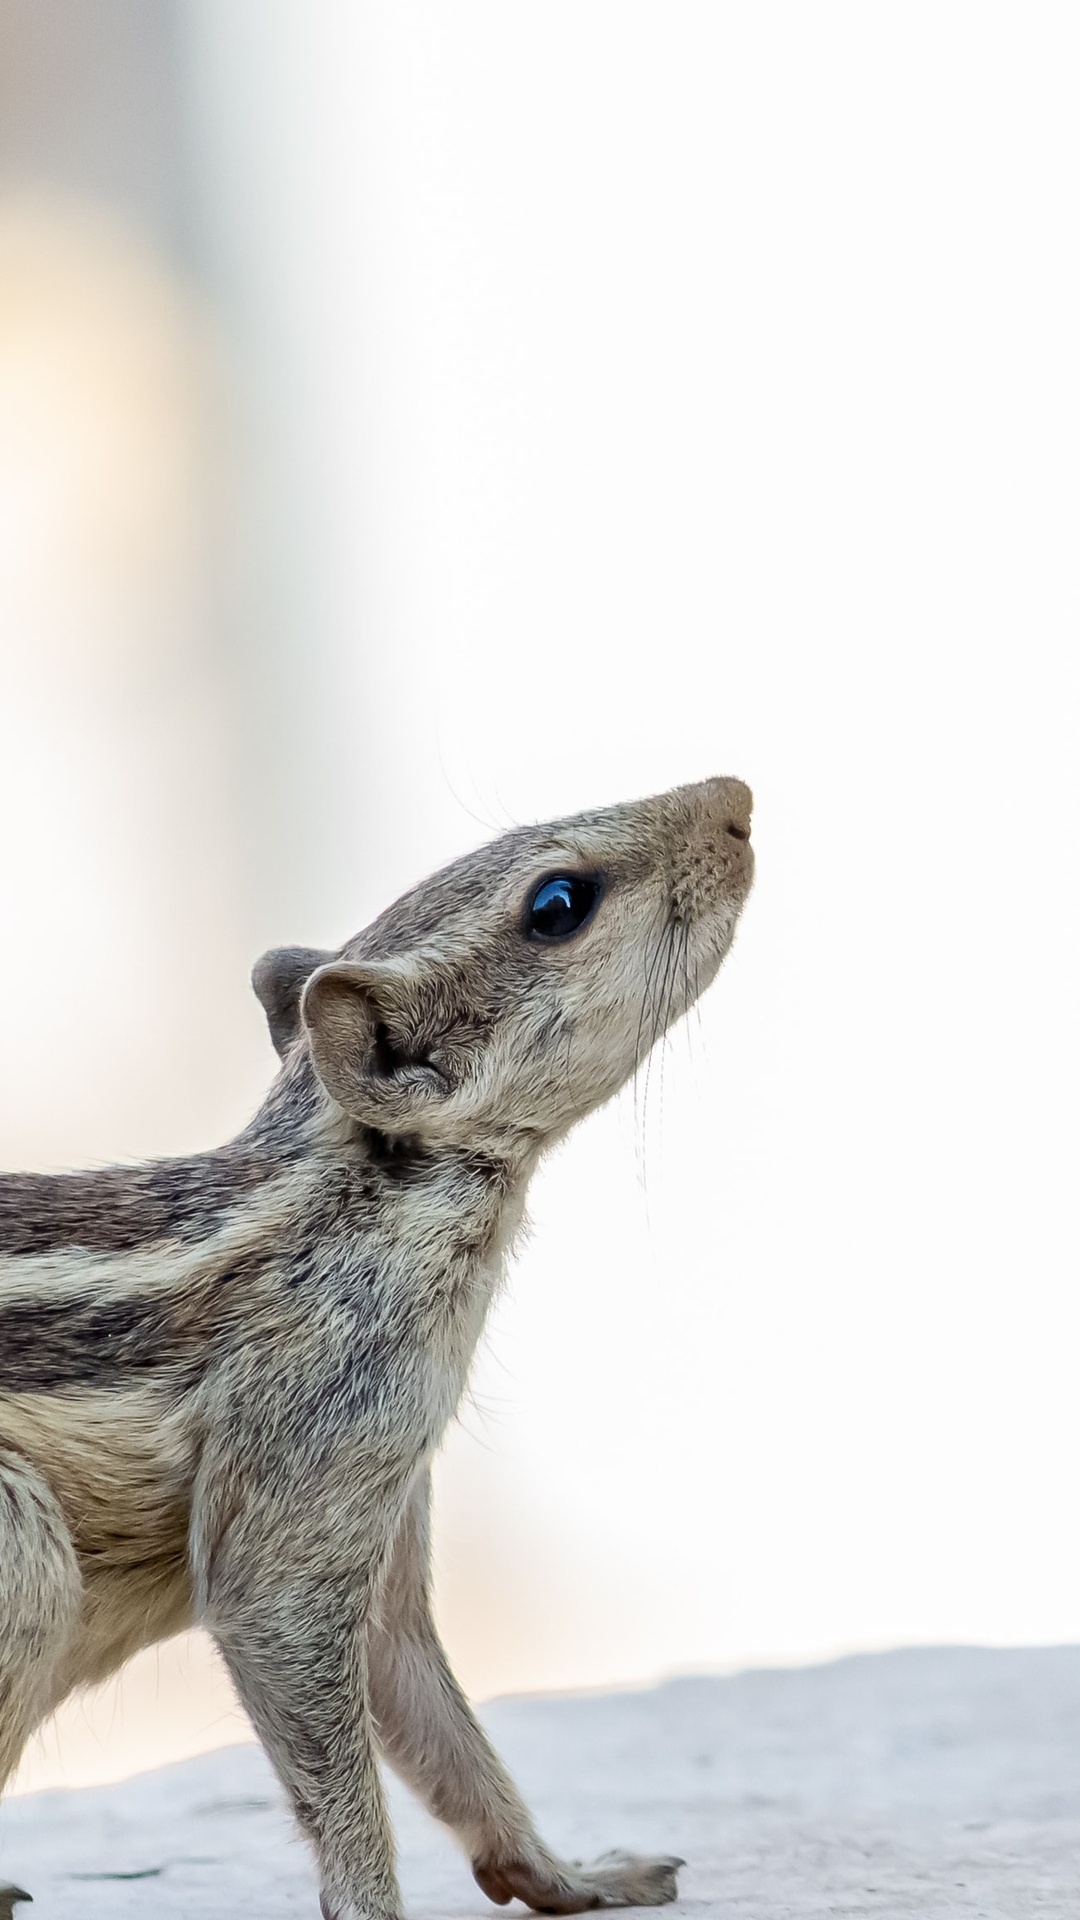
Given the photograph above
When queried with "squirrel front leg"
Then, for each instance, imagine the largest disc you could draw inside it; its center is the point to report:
(288, 1611)
(431, 1737)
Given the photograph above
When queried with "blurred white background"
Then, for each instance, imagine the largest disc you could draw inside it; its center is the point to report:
(498, 410)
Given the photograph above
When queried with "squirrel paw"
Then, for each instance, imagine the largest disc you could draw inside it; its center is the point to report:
(616, 1879)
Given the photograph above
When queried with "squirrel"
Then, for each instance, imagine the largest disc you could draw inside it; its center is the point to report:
(223, 1378)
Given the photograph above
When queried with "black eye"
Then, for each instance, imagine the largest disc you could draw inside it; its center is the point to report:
(561, 905)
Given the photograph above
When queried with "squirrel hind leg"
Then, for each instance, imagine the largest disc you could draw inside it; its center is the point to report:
(40, 1597)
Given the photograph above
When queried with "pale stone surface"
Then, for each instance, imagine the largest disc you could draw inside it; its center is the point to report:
(929, 1783)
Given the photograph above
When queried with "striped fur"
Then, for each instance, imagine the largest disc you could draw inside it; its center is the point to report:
(222, 1379)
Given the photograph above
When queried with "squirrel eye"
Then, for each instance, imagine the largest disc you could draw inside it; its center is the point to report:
(561, 905)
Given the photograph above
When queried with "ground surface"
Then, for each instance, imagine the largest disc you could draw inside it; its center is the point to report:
(922, 1783)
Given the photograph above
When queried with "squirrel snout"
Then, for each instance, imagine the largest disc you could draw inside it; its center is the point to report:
(731, 803)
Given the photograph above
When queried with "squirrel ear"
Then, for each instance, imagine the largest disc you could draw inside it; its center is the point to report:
(278, 979)
(362, 1025)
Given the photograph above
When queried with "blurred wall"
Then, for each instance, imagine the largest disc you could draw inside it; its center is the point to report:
(668, 390)
(124, 904)
(90, 102)
(617, 395)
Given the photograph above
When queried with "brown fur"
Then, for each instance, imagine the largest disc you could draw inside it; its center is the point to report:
(222, 1380)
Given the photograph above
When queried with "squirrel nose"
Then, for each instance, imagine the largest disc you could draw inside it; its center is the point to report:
(732, 801)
